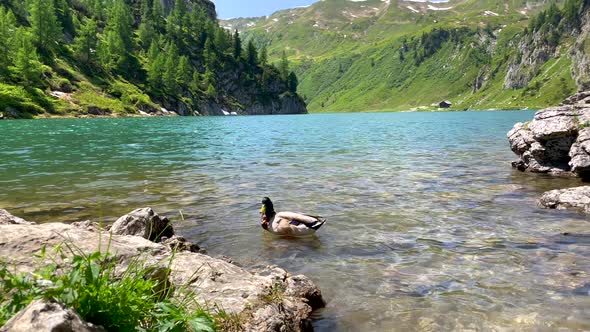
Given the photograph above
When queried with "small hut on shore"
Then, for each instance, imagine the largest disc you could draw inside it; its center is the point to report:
(445, 104)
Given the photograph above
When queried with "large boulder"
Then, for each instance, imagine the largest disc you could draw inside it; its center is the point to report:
(143, 222)
(556, 141)
(577, 198)
(46, 316)
(265, 299)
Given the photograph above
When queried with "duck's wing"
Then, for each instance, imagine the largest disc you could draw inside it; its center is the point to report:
(307, 220)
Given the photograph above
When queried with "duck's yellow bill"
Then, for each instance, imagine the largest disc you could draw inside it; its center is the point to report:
(263, 209)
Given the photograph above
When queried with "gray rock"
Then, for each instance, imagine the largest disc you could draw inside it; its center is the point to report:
(95, 110)
(89, 225)
(300, 286)
(572, 198)
(216, 283)
(555, 141)
(580, 153)
(178, 243)
(580, 97)
(45, 316)
(145, 223)
(8, 219)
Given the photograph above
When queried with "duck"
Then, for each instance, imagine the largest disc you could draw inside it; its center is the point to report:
(288, 223)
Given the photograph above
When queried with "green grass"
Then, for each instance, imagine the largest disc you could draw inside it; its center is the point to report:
(353, 65)
(131, 96)
(551, 86)
(18, 99)
(275, 294)
(88, 95)
(128, 300)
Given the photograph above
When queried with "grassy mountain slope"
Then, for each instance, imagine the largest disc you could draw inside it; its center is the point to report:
(402, 55)
(131, 57)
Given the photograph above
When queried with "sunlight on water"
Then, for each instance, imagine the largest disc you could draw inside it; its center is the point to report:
(428, 226)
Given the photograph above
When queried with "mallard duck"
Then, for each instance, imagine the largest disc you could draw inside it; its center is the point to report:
(288, 223)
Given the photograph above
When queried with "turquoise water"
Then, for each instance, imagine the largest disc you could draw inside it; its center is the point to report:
(428, 226)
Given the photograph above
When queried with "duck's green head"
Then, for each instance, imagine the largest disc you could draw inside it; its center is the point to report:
(267, 207)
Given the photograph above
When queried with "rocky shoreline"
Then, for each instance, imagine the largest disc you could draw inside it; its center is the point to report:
(557, 142)
(217, 283)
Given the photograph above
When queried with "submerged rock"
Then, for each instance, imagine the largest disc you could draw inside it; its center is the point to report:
(178, 243)
(46, 316)
(556, 141)
(572, 198)
(8, 219)
(268, 299)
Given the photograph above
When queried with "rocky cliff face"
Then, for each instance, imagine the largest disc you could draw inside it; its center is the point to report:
(283, 104)
(557, 140)
(581, 55)
(536, 49)
(534, 52)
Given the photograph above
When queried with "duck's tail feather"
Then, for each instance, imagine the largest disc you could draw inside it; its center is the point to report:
(320, 223)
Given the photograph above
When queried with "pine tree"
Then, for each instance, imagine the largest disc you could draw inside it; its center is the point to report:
(119, 38)
(64, 16)
(146, 30)
(222, 42)
(155, 70)
(158, 15)
(26, 67)
(98, 10)
(7, 33)
(195, 81)
(86, 43)
(210, 54)
(145, 8)
(252, 54)
(19, 7)
(553, 15)
(284, 67)
(263, 55)
(571, 12)
(176, 22)
(211, 91)
(197, 20)
(45, 28)
(146, 33)
(237, 45)
(183, 72)
(209, 81)
(170, 67)
(292, 82)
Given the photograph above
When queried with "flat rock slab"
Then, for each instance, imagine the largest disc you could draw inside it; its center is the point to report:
(217, 284)
(577, 198)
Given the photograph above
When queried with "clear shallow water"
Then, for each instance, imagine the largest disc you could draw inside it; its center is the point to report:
(428, 226)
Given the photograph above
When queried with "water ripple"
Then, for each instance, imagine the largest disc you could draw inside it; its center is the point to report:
(429, 227)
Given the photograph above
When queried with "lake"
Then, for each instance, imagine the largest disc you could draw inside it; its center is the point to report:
(428, 227)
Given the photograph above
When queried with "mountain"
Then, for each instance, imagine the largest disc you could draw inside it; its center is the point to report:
(407, 55)
(131, 57)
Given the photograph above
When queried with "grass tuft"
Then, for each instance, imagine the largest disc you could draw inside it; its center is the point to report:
(138, 298)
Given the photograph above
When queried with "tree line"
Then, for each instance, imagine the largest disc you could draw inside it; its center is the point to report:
(178, 51)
